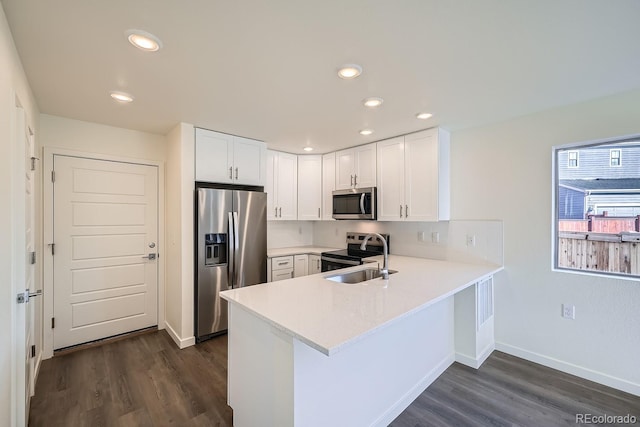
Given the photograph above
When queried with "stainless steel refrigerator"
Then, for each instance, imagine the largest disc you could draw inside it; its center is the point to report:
(231, 251)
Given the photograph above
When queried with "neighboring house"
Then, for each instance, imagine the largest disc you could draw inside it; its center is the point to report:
(599, 179)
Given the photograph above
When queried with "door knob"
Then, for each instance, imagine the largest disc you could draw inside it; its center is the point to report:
(150, 256)
(152, 245)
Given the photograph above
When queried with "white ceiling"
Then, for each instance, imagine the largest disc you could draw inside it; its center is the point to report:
(267, 69)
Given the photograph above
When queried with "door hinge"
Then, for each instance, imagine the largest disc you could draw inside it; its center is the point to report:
(53, 176)
(33, 163)
(33, 351)
(53, 322)
(32, 257)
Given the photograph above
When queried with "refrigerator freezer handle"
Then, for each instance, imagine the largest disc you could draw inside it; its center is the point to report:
(232, 251)
(237, 281)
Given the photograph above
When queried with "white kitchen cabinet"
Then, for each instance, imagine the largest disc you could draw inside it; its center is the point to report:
(282, 186)
(300, 265)
(281, 268)
(229, 159)
(309, 188)
(413, 177)
(356, 167)
(315, 265)
(328, 184)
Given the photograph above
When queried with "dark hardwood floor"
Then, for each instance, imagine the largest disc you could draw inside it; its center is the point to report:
(146, 380)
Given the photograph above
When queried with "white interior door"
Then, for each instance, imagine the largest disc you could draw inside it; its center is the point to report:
(30, 282)
(105, 229)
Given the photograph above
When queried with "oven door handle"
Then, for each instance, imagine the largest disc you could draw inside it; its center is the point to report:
(362, 204)
(340, 261)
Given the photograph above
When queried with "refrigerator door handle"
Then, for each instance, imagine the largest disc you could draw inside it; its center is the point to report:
(237, 281)
(232, 251)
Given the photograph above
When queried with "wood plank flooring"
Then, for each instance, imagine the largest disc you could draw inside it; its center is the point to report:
(147, 381)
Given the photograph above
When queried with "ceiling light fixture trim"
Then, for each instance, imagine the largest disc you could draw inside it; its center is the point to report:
(366, 132)
(122, 97)
(308, 148)
(143, 40)
(349, 71)
(424, 116)
(372, 102)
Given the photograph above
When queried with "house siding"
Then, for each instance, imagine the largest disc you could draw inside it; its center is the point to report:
(594, 162)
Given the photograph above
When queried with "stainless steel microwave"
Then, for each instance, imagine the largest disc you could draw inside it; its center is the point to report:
(356, 203)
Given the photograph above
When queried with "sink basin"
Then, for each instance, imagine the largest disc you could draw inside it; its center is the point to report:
(358, 276)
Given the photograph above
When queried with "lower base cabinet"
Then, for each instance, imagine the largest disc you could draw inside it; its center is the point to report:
(280, 268)
(315, 266)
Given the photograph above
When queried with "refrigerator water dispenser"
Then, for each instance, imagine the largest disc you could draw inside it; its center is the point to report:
(215, 249)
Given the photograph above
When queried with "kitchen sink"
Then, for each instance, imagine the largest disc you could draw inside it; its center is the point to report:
(358, 276)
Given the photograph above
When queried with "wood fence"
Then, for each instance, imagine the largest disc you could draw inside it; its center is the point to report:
(614, 253)
(601, 224)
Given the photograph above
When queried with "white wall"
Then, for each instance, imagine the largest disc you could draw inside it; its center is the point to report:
(286, 234)
(13, 87)
(179, 216)
(504, 171)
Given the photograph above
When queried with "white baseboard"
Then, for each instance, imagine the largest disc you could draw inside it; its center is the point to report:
(411, 395)
(180, 342)
(475, 362)
(579, 371)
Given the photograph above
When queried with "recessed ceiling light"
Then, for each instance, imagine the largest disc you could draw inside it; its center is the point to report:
(143, 40)
(423, 116)
(308, 148)
(349, 71)
(366, 132)
(122, 97)
(372, 102)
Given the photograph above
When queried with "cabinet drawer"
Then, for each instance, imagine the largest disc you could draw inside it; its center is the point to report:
(282, 262)
(281, 274)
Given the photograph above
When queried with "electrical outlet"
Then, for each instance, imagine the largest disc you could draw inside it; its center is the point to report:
(420, 236)
(471, 240)
(435, 237)
(569, 311)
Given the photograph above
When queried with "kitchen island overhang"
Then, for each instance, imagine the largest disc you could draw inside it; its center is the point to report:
(308, 351)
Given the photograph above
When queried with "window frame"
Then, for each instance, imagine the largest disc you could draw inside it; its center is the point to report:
(577, 159)
(576, 146)
(619, 158)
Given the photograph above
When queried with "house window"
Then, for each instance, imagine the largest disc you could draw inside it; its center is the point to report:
(597, 208)
(615, 157)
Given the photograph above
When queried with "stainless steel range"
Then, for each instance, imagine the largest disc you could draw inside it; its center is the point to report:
(353, 255)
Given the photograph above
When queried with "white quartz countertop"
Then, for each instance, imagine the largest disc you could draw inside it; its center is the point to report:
(297, 250)
(329, 316)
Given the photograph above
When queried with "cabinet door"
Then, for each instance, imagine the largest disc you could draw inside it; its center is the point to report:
(287, 186)
(270, 184)
(314, 264)
(365, 166)
(300, 265)
(328, 184)
(345, 167)
(249, 162)
(309, 187)
(391, 154)
(421, 176)
(214, 156)
(281, 274)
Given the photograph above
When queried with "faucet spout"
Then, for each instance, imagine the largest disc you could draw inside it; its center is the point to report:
(385, 266)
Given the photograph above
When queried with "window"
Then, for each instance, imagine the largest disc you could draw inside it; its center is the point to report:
(615, 157)
(597, 208)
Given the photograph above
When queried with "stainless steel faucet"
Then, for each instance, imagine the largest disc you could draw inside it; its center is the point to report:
(385, 265)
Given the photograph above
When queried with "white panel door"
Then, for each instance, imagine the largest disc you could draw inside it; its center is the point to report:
(214, 157)
(249, 161)
(287, 184)
(328, 184)
(421, 176)
(300, 265)
(309, 187)
(105, 233)
(365, 171)
(345, 169)
(391, 154)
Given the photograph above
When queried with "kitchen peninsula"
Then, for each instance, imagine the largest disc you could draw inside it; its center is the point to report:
(313, 352)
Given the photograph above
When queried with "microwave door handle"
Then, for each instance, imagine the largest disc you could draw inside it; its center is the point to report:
(362, 204)
(232, 252)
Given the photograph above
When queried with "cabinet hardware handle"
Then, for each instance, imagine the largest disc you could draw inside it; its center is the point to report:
(230, 172)
(406, 211)
(318, 264)
(276, 213)
(283, 263)
(280, 212)
(236, 173)
(351, 180)
(318, 212)
(355, 180)
(400, 211)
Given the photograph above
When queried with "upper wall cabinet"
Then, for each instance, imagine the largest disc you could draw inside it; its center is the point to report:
(328, 184)
(282, 186)
(413, 177)
(310, 188)
(229, 159)
(356, 167)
